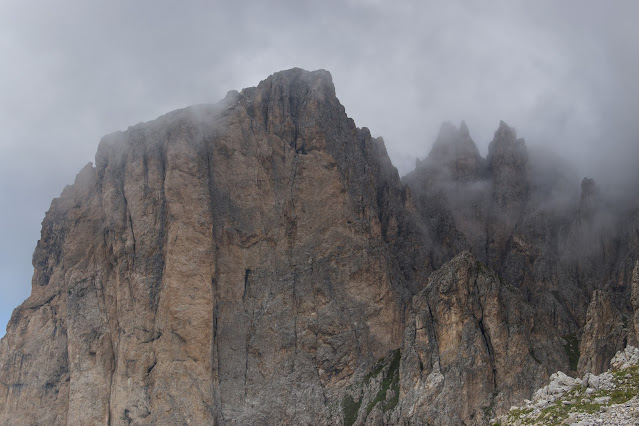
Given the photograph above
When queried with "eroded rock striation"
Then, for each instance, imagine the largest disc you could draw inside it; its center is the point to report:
(472, 338)
(231, 262)
(259, 261)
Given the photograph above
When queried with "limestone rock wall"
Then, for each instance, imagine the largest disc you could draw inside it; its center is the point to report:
(472, 338)
(223, 263)
(259, 261)
(604, 333)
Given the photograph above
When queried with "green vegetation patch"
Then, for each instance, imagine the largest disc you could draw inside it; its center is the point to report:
(572, 349)
(557, 412)
(514, 415)
(350, 408)
(390, 381)
(626, 386)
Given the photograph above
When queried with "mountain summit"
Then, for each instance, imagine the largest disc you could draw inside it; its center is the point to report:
(259, 261)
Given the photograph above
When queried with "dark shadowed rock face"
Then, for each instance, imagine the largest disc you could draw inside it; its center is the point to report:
(454, 155)
(605, 331)
(448, 198)
(527, 222)
(259, 261)
(507, 163)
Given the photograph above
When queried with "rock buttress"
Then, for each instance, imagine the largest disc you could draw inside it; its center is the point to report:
(223, 263)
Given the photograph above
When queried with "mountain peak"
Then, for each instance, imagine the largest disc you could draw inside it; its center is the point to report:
(299, 73)
(589, 198)
(506, 148)
(297, 82)
(456, 151)
(296, 106)
(463, 129)
(263, 252)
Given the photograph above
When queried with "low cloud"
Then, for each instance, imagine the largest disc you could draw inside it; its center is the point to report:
(562, 73)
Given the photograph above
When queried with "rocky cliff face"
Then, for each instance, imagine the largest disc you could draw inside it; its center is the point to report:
(259, 261)
(604, 331)
(471, 347)
(222, 263)
(471, 337)
(524, 218)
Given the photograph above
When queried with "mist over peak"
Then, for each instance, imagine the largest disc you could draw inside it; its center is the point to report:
(198, 235)
(263, 248)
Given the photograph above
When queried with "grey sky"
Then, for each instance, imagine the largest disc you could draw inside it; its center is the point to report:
(563, 73)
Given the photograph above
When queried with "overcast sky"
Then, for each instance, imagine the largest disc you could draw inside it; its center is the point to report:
(563, 73)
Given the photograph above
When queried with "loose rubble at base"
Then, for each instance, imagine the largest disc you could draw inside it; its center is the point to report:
(610, 398)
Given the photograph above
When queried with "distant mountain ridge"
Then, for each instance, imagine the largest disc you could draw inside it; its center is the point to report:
(259, 261)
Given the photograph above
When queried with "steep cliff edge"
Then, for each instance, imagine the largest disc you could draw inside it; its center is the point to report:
(247, 252)
(259, 261)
